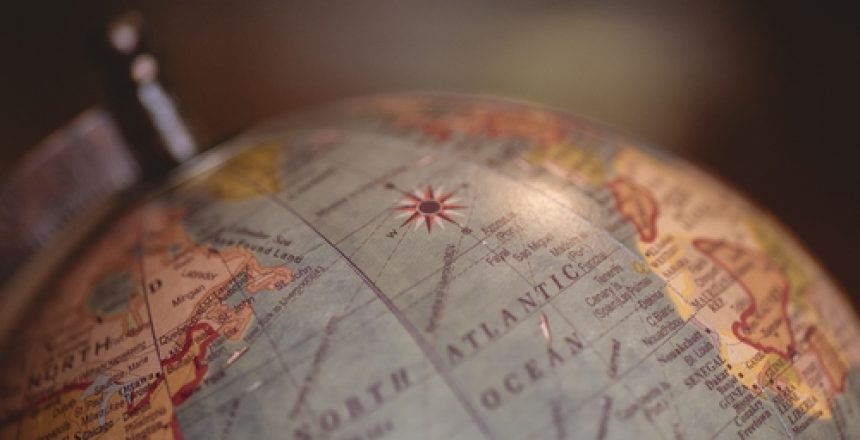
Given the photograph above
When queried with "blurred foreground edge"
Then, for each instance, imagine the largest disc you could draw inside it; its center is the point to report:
(63, 187)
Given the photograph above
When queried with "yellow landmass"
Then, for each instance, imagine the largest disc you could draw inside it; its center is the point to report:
(259, 164)
(771, 238)
(569, 162)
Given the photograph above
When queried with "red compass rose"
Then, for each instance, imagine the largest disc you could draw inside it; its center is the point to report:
(427, 206)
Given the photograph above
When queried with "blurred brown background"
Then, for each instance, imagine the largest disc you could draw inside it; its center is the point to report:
(763, 93)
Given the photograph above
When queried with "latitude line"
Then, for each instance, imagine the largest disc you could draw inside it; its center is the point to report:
(428, 351)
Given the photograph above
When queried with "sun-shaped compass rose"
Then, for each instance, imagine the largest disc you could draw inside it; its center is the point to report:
(427, 206)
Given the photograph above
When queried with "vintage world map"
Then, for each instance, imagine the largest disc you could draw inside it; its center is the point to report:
(430, 266)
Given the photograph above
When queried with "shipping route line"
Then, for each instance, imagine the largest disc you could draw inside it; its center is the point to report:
(428, 351)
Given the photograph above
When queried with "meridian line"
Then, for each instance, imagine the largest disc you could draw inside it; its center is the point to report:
(155, 342)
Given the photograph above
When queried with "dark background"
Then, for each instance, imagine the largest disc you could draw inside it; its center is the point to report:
(763, 93)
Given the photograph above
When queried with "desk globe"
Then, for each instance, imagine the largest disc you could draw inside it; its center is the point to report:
(432, 266)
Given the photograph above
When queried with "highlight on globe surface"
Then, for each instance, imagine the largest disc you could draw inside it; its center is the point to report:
(405, 265)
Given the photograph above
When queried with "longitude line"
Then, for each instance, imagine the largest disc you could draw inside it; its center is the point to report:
(152, 321)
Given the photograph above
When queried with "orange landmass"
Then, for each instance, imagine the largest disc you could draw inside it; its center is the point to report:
(186, 368)
(230, 265)
(636, 203)
(167, 251)
(764, 323)
(72, 412)
(501, 121)
(184, 371)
